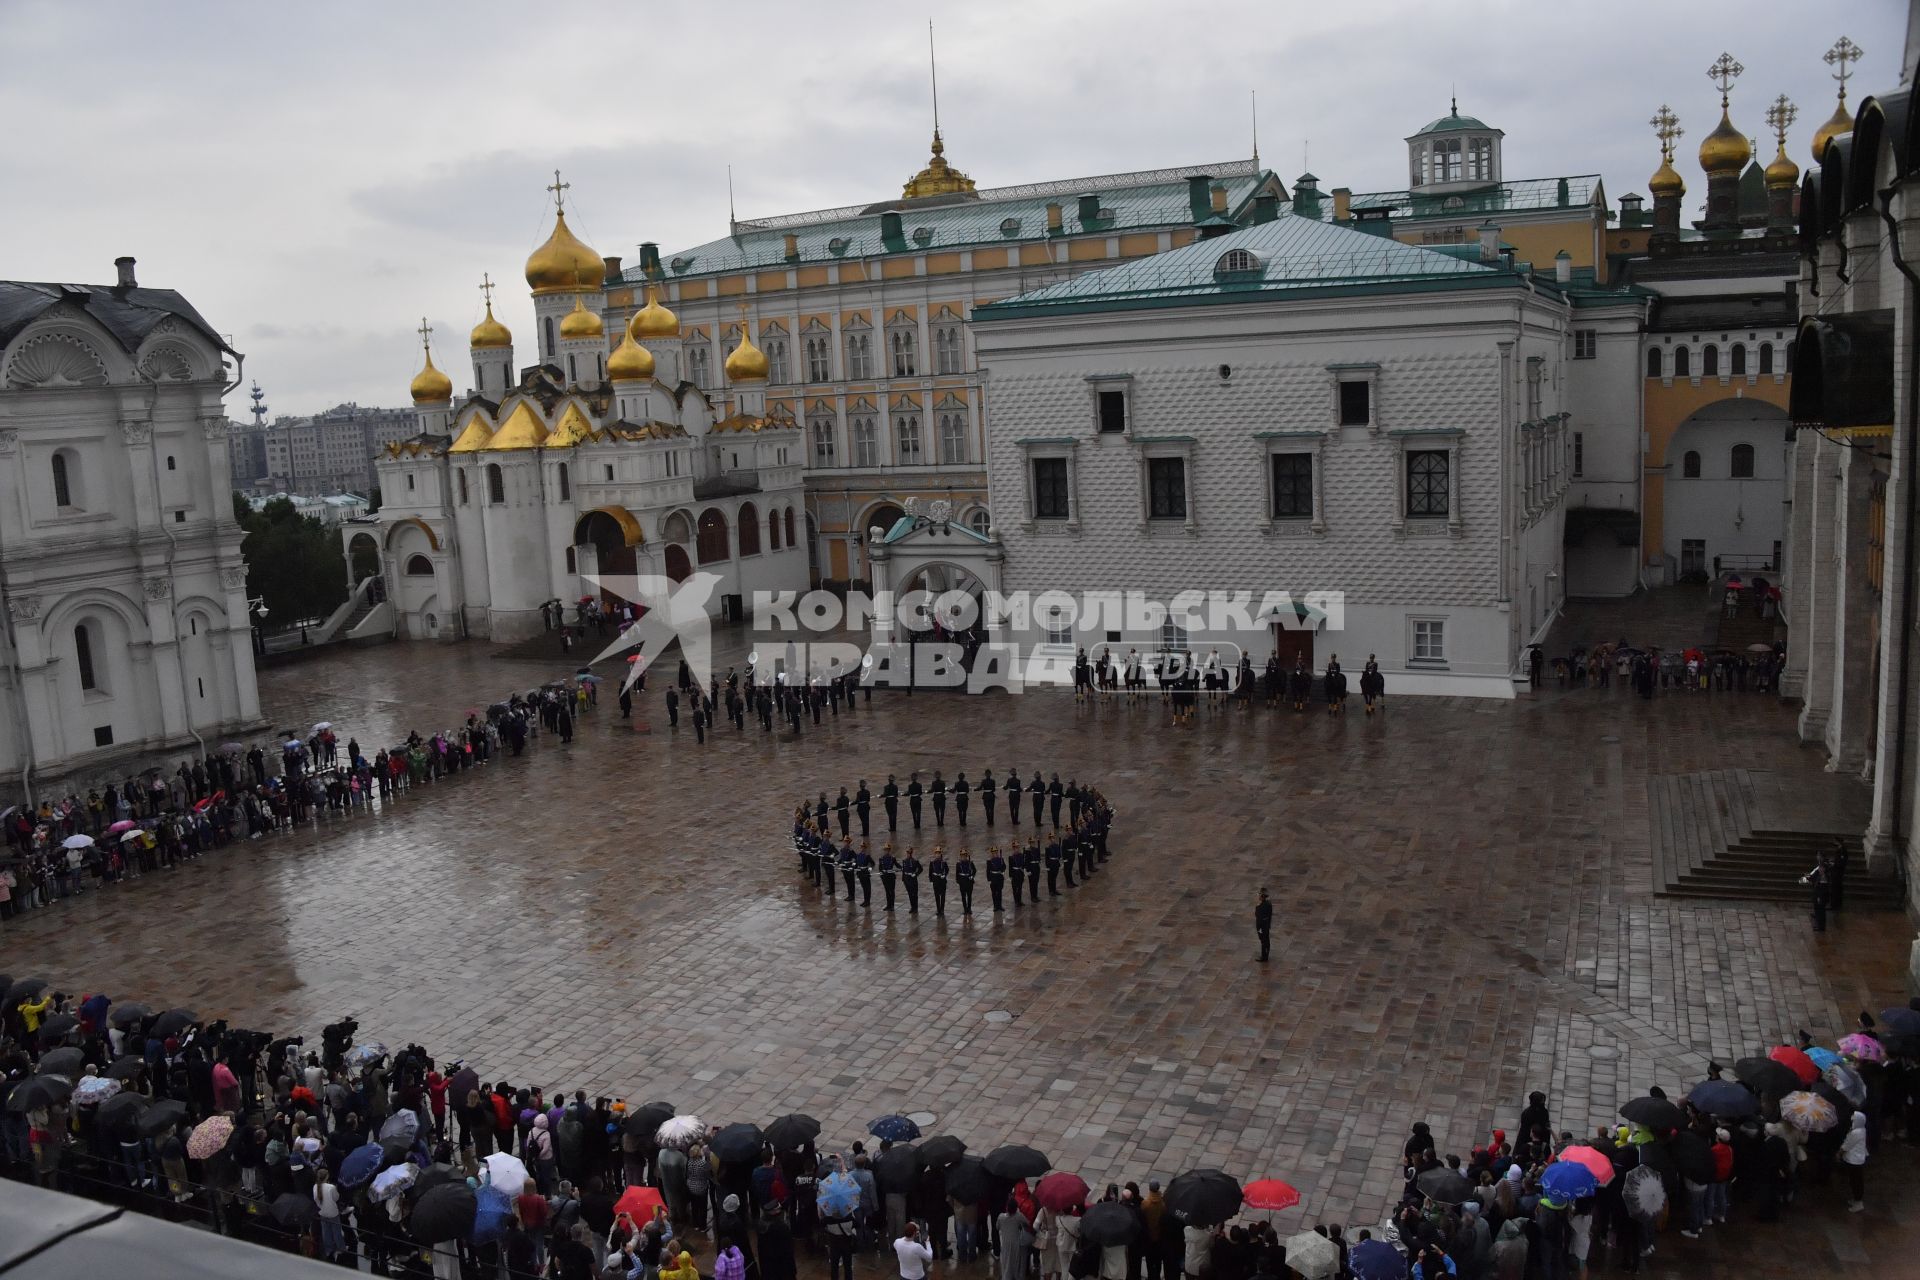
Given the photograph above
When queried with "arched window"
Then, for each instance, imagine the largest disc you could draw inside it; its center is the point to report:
(1737, 359)
(1653, 362)
(1682, 363)
(1766, 357)
(1690, 465)
(790, 538)
(83, 656)
(573, 370)
(496, 484)
(1740, 465)
(463, 487)
(1788, 367)
(773, 530)
(749, 529)
(548, 327)
(712, 537)
(1710, 361)
(1236, 262)
(979, 521)
(573, 561)
(566, 484)
(419, 567)
(62, 484)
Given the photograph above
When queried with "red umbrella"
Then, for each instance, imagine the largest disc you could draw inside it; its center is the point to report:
(1795, 1061)
(1269, 1193)
(203, 805)
(1060, 1191)
(1598, 1163)
(638, 1203)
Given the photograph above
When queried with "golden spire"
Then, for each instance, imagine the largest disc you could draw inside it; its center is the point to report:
(939, 178)
(1840, 123)
(563, 264)
(430, 386)
(489, 332)
(654, 320)
(582, 323)
(1782, 172)
(1725, 150)
(1666, 179)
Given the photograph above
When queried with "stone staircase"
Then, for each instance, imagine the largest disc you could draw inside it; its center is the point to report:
(1715, 836)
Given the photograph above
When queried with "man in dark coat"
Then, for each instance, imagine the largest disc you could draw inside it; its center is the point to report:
(775, 1244)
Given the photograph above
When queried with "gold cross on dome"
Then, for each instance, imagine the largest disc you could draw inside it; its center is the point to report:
(1666, 127)
(1780, 118)
(559, 189)
(1724, 71)
(426, 333)
(1843, 52)
(486, 287)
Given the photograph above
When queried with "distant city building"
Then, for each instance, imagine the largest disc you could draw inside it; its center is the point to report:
(330, 452)
(329, 509)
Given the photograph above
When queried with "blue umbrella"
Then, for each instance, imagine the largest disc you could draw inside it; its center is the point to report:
(1568, 1181)
(838, 1195)
(491, 1216)
(1376, 1260)
(1724, 1099)
(894, 1128)
(1823, 1058)
(360, 1165)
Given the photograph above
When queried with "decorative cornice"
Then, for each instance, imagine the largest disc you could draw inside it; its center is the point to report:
(136, 430)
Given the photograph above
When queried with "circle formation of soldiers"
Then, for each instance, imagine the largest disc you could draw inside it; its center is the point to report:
(1068, 834)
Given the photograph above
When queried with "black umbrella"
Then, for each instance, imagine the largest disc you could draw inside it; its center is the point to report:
(21, 988)
(293, 1211)
(444, 1213)
(462, 1082)
(120, 1114)
(437, 1175)
(1108, 1224)
(969, 1182)
(898, 1166)
(1902, 1045)
(1654, 1113)
(1727, 1099)
(57, 1028)
(1765, 1076)
(39, 1091)
(125, 1068)
(1445, 1186)
(172, 1022)
(394, 1151)
(645, 1121)
(944, 1151)
(1692, 1156)
(1203, 1197)
(61, 1062)
(1901, 1021)
(791, 1132)
(739, 1144)
(162, 1116)
(1014, 1163)
(128, 1015)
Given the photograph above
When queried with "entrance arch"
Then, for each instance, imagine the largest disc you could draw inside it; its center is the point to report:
(882, 517)
(615, 535)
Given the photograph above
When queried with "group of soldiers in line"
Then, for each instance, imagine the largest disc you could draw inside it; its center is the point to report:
(1182, 679)
(786, 698)
(1079, 843)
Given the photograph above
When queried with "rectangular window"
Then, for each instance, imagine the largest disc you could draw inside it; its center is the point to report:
(1167, 488)
(409, 484)
(1059, 628)
(946, 349)
(1693, 556)
(823, 444)
(1427, 482)
(777, 360)
(1584, 344)
(1113, 411)
(1050, 489)
(819, 360)
(1356, 404)
(1293, 486)
(1173, 636)
(902, 341)
(859, 356)
(1579, 454)
(103, 736)
(866, 443)
(906, 431)
(953, 439)
(463, 487)
(1429, 640)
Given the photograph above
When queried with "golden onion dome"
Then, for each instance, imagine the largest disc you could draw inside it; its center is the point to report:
(430, 385)
(563, 264)
(490, 333)
(630, 362)
(1725, 150)
(1838, 125)
(1666, 180)
(582, 323)
(1783, 172)
(748, 363)
(654, 320)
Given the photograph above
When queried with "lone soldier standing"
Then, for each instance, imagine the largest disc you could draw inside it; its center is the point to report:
(1017, 866)
(1818, 879)
(863, 805)
(1013, 795)
(987, 794)
(673, 709)
(963, 874)
(699, 721)
(1037, 793)
(890, 797)
(937, 875)
(1263, 924)
(914, 792)
(841, 804)
(939, 790)
(910, 876)
(960, 790)
(889, 867)
(1055, 793)
(997, 877)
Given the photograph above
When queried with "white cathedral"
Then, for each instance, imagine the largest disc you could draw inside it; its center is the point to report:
(601, 458)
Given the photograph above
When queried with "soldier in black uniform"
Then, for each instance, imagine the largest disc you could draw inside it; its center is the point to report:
(699, 721)
(820, 811)
(1032, 861)
(1073, 803)
(963, 874)
(910, 876)
(841, 806)
(1012, 789)
(1087, 864)
(890, 797)
(1017, 871)
(1053, 867)
(996, 877)
(1068, 848)
(988, 794)
(960, 790)
(889, 867)
(937, 876)
(847, 869)
(1055, 794)
(914, 792)
(863, 866)
(1037, 794)
(863, 805)
(673, 709)
(1263, 924)
(939, 790)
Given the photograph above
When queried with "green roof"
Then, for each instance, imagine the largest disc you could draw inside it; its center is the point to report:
(1007, 215)
(1447, 124)
(1293, 254)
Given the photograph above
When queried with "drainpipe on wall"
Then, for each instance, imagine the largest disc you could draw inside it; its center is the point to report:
(1911, 427)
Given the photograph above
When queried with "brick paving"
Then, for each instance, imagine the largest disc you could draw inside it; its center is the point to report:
(1464, 914)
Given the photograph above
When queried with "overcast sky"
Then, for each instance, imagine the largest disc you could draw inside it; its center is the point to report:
(317, 177)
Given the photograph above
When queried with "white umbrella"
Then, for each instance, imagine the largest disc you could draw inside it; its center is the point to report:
(77, 842)
(391, 1182)
(681, 1132)
(323, 726)
(95, 1089)
(361, 1054)
(134, 834)
(506, 1173)
(290, 743)
(1848, 1082)
(1313, 1255)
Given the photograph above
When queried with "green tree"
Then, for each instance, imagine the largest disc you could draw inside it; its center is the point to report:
(295, 564)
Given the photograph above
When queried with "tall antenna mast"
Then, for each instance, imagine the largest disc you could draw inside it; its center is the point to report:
(933, 73)
(1253, 106)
